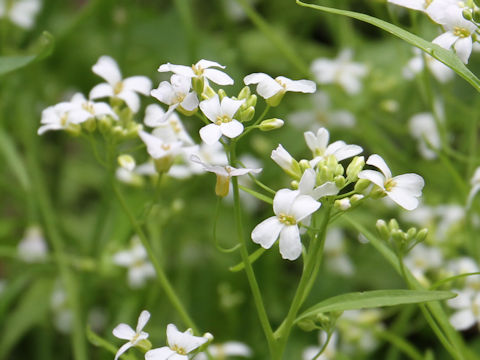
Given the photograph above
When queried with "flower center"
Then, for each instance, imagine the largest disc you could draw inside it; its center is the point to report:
(197, 70)
(223, 119)
(175, 126)
(390, 184)
(179, 350)
(427, 3)
(461, 32)
(287, 219)
(281, 83)
(117, 89)
(166, 147)
(179, 98)
(134, 338)
(87, 106)
(64, 119)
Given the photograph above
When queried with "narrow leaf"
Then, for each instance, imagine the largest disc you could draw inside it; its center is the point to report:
(12, 63)
(374, 299)
(13, 159)
(445, 56)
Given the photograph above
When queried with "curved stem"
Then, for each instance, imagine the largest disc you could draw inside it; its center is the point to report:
(254, 125)
(161, 277)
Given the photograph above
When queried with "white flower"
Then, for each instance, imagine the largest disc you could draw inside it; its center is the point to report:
(438, 10)
(475, 182)
(290, 209)
(467, 306)
(125, 332)
(33, 248)
(458, 33)
(162, 152)
(322, 114)
(58, 117)
(176, 93)
(221, 115)
(198, 70)
(402, 189)
(115, 86)
(268, 87)
(336, 258)
(224, 173)
(283, 159)
(84, 109)
(357, 329)
(422, 259)
(423, 128)
(341, 71)
(222, 351)
(136, 260)
(179, 345)
(415, 65)
(307, 183)
(330, 351)
(318, 144)
(62, 314)
(20, 12)
(412, 4)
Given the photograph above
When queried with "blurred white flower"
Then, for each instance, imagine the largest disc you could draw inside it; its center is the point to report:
(415, 65)
(136, 260)
(125, 332)
(33, 247)
(290, 208)
(357, 330)
(225, 350)
(342, 71)
(335, 255)
(423, 128)
(58, 117)
(20, 12)
(422, 259)
(163, 152)
(402, 189)
(467, 309)
(179, 345)
(475, 183)
(62, 314)
(116, 87)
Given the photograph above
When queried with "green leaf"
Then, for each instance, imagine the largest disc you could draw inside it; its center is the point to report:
(374, 299)
(12, 63)
(13, 159)
(445, 56)
(30, 311)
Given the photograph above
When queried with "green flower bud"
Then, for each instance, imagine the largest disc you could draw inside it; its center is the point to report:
(393, 225)
(244, 93)
(339, 181)
(90, 125)
(467, 14)
(198, 84)
(294, 184)
(355, 166)
(342, 204)
(307, 325)
(246, 114)
(411, 234)
(164, 164)
(207, 93)
(355, 199)
(144, 345)
(361, 185)
(271, 124)
(126, 161)
(382, 229)
(74, 129)
(304, 165)
(180, 109)
(476, 14)
(221, 94)
(252, 100)
(105, 124)
(421, 235)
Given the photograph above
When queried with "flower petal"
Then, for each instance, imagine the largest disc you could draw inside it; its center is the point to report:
(177, 69)
(123, 331)
(139, 84)
(190, 102)
(303, 86)
(205, 64)
(463, 319)
(142, 320)
(266, 233)
(463, 48)
(290, 244)
(131, 99)
(100, 91)
(268, 88)
(218, 77)
(303, 206)
(231, 129)
(210, 133)
(403, 198)
(256, 78)
(211, 108)
(347, 151)
(374, 176)
(377, 161)
(122, 349)
(162, 353)
(107, 68)
(283, 200)
(412, 183)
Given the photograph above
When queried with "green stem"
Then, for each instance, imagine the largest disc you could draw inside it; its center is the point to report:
(285, 328)
(257, 297)
(254, 125)
(161, 277)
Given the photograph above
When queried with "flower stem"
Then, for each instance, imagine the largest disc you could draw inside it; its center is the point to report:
(303, 289)
(257, 297)
(161, 277)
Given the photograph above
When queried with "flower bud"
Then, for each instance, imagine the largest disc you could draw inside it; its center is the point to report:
(294, 184)
(207, 93)
(476, 14)
(411, 233)
(144, 345)
(90, 125)
(342, 204)
(421, 235)
(126, 161)
(252, 100)
(382, 229)
(393, 225)
(244, 93)
(355, 199)
(355, 166)
(286, 162)
(271, 124)
(246, 114)
(339, 181)
(105, 124)
(221, 94)
(361, 185)
(467, 14)
(304, 165)
(198, 84)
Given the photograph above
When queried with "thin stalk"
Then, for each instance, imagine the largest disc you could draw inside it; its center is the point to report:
(257, 296)
(254, 125)
(283, 331)
(161, 277)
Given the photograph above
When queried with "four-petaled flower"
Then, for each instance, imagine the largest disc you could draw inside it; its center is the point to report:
(402, 189)
(179, 345)
(221, 115)
(274, 89)
(125, 89)
(224, 173)
(290, 208)
(201, 69)
(125, 332)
